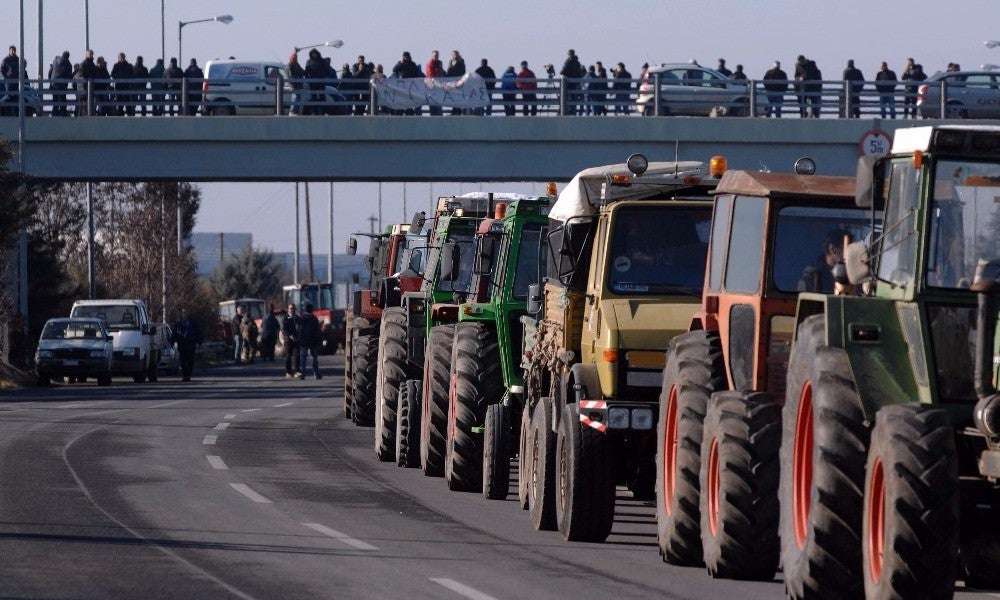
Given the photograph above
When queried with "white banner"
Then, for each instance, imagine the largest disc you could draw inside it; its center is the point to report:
(468, 91)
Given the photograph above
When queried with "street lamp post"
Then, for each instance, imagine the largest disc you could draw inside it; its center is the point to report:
(991, 43)
(86, 24)
(224, 19)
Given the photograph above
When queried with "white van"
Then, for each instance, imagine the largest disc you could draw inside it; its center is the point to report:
(136, 340)
(238, 87)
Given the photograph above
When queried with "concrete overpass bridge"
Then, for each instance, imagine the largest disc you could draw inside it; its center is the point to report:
(393, 148)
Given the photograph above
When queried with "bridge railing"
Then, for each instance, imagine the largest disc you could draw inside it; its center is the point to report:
(539, 97)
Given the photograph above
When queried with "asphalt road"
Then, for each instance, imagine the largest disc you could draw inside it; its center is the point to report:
(242, 484)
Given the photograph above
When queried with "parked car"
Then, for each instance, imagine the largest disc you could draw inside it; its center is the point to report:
(75, 348)
(136, 343)
(239, 87)
(968, 95)
(693, 90)
(169, 358)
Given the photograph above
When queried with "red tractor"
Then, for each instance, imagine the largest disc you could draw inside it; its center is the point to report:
(331, 318)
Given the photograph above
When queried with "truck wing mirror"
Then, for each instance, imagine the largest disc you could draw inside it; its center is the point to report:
(450, 257)
(534, 299)
(857, 263)
(352, 246)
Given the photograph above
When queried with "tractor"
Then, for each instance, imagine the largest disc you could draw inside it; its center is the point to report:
(773, 235)
(890, 454)
(625, 253)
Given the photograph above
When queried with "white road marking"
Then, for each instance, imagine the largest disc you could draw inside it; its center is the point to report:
(283, 405)
(210, 440)
(461, 589)
(217, 462)
(221, 427)
(249, 493)
(341, 537)
(246, 410)
(229, 416)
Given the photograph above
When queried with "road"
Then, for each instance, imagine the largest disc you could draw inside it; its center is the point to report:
(243, 484)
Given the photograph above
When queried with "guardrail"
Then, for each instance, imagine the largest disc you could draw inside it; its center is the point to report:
(655, 96)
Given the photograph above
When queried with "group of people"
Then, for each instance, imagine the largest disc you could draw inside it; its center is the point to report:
(300, 336)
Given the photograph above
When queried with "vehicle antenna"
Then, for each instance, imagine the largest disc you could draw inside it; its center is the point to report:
(677, 156)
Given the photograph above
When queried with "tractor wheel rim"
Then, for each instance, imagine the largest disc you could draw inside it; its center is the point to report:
(713, 486)
(876, 521)
(670, 450)
(802, 465)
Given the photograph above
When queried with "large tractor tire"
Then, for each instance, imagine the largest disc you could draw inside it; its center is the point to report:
(363, 372)
(910, 531)
(390, 375)
(347, 375)
(434, 401)
(739, 486)
(524, 459)
(823, 449)
(693, 371)
(585, 486)
(496, 452)
(542, 469)
(476, 382)
(408, 425)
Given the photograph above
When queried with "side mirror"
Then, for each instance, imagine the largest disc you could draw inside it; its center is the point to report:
(857, 263)
(534, 299)
(352, 246)
(417, 225)
(450, 257)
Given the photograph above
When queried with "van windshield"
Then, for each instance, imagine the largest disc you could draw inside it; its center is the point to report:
(117, 316)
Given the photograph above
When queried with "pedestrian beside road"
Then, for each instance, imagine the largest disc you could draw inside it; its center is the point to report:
(290, 335)
(139, 71)
(601, 99)
(856, 82)
(622, 86)
(886, 86)
(187, 336)
(775, 86)
(156, 86)
(489, 77)
(174, 74)
(269, 329)
(60, 74)
(235, 330)
(573, 72)
(249, 332)
(194, 76)
(722, 68)
(121, 72)
(311, 337)
(508, 91)
(528, 86)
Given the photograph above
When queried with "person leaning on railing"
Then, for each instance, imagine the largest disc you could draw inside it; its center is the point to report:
(508, 89)
(528, 86)
(886, 86)
(155, 85)
(623, 87)
(775, 86)
(173, 86)
(141, 73)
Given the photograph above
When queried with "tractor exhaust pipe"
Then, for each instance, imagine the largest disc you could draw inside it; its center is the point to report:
(987, 284)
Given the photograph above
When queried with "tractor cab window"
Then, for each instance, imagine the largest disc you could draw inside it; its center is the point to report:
(809, 241)
(965, 221)
(464, 280)
(658, 250)
(897, 255)
(745, 245)
(528, 260)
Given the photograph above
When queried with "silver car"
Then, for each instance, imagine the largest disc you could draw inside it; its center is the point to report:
(968, 95)
(693, 90)
(74, 348)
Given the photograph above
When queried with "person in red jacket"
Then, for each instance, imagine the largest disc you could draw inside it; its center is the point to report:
(527, 84)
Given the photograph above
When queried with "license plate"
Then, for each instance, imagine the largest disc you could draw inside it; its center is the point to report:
(68, 362)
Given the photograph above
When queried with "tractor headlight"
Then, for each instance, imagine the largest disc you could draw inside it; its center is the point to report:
(618, 418)
(642, 418)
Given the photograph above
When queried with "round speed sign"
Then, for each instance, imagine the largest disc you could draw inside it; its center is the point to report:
(874, 143)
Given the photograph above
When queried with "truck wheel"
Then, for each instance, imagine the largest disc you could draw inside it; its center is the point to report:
(390, 375)
(408, 425)
(739, 486)
(363, 379)
(476, 382)
(104, 380)
(694, 369)
(434, 402)
(910, 526)
(585, 488)
(496, 452)
(542, 469)
(524, 458)
(823, 448)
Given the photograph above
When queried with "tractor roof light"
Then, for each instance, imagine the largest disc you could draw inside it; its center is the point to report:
(620, 180)
(804, 166)
(637, 164)
(717, 166)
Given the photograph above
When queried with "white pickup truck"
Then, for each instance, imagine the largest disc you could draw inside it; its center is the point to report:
(137, 342)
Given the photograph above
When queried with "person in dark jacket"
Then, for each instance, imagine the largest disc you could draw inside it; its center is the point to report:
(187, 336)
(599, 94)
(361, 73)
(290, 333)
(572, 70)
(194, 75)
(508, 91)
(912, 73)
(102, 88)
(316, 71)
(722, 68)
(622, 86)
(456, 68)
(61, 72)
(155, 74)
(121, 72)
(775, 86)
(311, 337)
(269, 328)
(139, 71)
(738, 74)
(856, 83)
(800, 75)
(489, 77)
(813, 87)
(174, 74)
(886, 86)
(9, 70)
(296, 75)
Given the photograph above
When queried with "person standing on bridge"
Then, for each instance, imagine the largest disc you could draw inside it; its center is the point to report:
(9, 70)
(886, 86)
(102, 88)
(121, 72)
(290, 333)
(722, 68)
(433, 69)
(573, 72)
(738, 74)
(61, 72)
(361, 73)
(139, 71)
(173, 86)
(456, 68)
(194, 75)
(527, 83)
(855, 83)
(316, 72)
(187, 336)
(489, 76)
(311, 337)
(155, 85)
(508, 91)
(775, 86)
(269, 327)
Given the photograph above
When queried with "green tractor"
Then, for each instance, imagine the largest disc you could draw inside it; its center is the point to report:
(486, 389)
(891, 422)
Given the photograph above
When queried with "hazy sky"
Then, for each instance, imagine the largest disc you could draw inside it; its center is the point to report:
(753, 33)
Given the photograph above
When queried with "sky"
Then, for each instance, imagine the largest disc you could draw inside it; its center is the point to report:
(750, 32)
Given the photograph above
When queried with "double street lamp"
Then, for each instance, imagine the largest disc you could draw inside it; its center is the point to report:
(329, 44)
(224, 19)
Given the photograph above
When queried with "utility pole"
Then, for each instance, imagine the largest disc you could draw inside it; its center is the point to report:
(163, 31)
(430, 198)
(295, 259)
(41, 49)
(380, 207)
(163, 255)
(309, 235)
(91, 292)
(177, 205)
(371, 224)
(329, 257)
(86, 24)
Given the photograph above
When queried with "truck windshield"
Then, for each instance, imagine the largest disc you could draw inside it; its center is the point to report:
(528, 260)
(965, 221)
(117, 316)
(658, 250)
(69, 330)
(809, 241)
